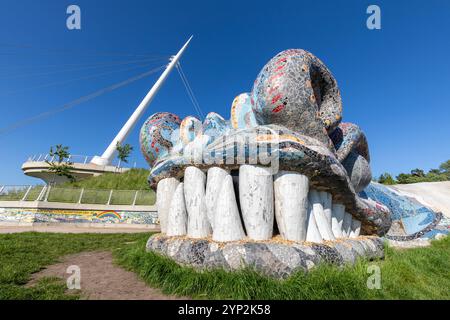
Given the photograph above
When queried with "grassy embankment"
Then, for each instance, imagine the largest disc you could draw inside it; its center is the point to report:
(421, 273)
(96, 190)
(22, 254)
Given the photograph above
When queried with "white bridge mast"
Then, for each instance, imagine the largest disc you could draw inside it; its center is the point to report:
(108, 155)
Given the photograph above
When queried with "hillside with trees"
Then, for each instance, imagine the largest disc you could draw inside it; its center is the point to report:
(418, 175)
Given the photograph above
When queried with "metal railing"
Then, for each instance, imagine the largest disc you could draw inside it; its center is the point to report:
(74, 158)
(50, 193)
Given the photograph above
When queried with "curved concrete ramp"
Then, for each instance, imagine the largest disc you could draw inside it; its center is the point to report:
(412, 212)
(435, 195)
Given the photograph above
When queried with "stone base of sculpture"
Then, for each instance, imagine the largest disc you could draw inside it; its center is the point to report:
(275, 258)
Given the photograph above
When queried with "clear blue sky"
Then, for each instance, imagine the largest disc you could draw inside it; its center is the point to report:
(394, 81)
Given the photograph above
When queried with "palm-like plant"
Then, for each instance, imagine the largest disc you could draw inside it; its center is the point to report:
(60, 167)
(123, 152)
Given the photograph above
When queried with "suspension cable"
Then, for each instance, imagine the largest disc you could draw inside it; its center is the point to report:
(81, 52)
(189, 91)
(78, 101)
(6, 93)
(199, 109)
(189, 94)
(37, 66)
(84, 67)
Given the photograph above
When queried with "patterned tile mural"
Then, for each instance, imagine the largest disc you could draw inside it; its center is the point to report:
(76, 216)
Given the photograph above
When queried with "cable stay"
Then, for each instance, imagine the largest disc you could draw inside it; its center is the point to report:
(78, 101)
(83, 67)
(189, 91)
(6, 93)
(81, 52)
(106, 158)
(34, 66)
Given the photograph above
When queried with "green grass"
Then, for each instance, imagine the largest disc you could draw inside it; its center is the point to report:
(422, 273)
(14, 194)
(22, 254)
(96, 190)
(119, 197)
(92, 196)
(68, 195)
(95, 196)
(133, 179)
(34, 193)
(124, 186)
(18, 193)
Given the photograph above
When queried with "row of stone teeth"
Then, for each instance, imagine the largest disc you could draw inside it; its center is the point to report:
(206, 204)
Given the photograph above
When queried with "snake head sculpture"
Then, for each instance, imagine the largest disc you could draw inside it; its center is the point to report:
(292, 116)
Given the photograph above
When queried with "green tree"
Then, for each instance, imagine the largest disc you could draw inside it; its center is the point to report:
(60, 167)
(123, 152)
(418, 172)
(386, 178)
(434, 171)
(445, 167)
(404, 178)
(433, 175)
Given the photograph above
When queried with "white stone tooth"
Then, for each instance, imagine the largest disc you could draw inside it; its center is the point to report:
(337, 219)
(322, 222)
(194, 196)
(327, 202)
(214, 183)
(355, 229)
(235, 178)
(312, 232)
(347, 224)
(256, 200)
(227, 225)
(291, 204)
(177, 218)
(164, 193)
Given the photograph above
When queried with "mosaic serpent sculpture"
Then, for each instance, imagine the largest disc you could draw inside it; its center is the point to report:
(283, 168)
(293, 114)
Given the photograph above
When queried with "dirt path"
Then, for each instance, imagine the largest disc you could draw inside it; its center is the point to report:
(101, 279)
